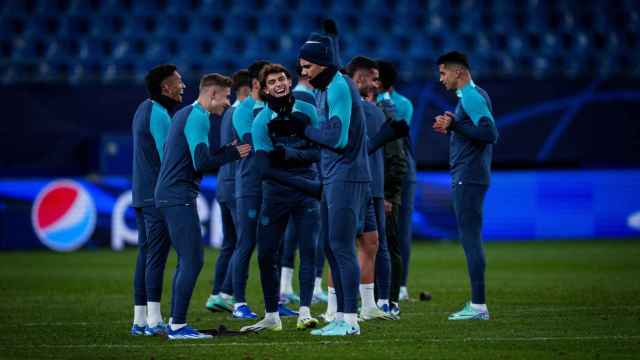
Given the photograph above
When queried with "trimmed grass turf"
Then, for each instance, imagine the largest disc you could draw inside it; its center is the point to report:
(547, 300)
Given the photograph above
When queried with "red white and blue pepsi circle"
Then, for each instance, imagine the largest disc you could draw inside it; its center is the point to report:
(64, 215)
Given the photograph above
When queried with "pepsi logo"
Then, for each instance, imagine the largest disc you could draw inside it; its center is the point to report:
(63, 215)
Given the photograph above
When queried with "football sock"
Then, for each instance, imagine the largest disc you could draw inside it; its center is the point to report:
(155, 316)
(317, 289)
(286, 276)
(272, 316)
(304, 312)
(479, 307)
(140, 315)
(366, 294)
(332, 304)
(351, 319)
(176, 327)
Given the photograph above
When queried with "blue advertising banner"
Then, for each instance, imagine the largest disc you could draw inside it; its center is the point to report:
(69, 214)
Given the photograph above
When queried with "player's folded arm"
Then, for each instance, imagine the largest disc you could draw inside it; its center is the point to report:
(196, 131)
(334, 133)
(299, 157)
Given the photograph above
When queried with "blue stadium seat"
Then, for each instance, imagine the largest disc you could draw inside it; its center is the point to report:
(175, 23)
(86, 7)
(21, 71)
(6, 48)
(76, 25)
(305, 22)
(472, 23)
(274, 24)
(14, 25)
(45, 7)
(347, 21)
(140, 24)
(208, 24)
(17, 8)
(236, 23)
(55, 70)
(30, 48)
(45, 25)
(394, 46)
(550, 44)
(148, 7)
(111, 24)
(118, 6)
(208, 7)
(281, 6)
(119, 70)
(67, 48)
(94, 48)
(160, 51)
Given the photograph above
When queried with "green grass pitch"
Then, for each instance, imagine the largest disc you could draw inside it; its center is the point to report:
(558, 300)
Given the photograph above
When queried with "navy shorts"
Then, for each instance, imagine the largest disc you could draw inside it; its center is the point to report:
(370, 222)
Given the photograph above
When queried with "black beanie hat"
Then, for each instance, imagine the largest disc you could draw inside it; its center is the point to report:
(318, 50)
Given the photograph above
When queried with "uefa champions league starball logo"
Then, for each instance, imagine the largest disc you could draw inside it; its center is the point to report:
(63, 215)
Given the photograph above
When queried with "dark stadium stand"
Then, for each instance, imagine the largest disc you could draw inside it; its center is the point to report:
(77, 41)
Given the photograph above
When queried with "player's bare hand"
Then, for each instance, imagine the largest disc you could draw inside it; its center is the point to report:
(388, 207)
(441, 124)
(243, 150)
(446, 119)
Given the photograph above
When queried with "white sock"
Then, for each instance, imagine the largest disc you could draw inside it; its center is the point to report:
(351, 319)
(403, 289)
(332, 303)
(274, 316)
(317, 289)
(479, 307)
(339, 316)
(383, 302)
(286, 276)
(366, 294)
(237, 305)
(304, 312)
(175, 327)
(226, 296)
(170, 320)
(155, 316)
(140, 315)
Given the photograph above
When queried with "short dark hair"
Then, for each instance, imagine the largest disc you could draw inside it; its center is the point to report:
(454, 57)
(254, 69)
(360, 62)
(215, 79)
(388, 74)
(241, 78)
(272, 69)
(156, 76)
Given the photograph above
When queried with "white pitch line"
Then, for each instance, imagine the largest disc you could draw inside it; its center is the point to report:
(72, 323)
(503, 314)
(307, 343)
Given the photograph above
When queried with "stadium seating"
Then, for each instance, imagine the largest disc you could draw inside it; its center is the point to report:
(117, 40)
